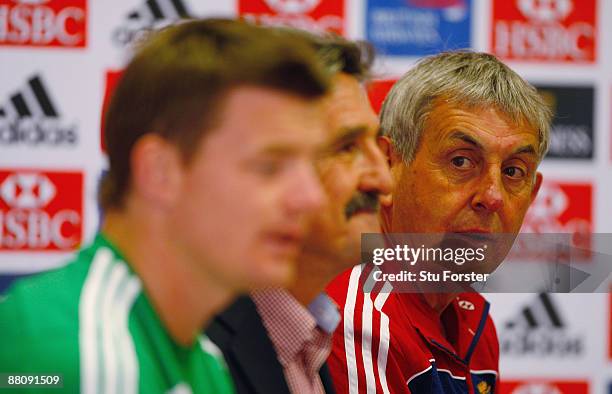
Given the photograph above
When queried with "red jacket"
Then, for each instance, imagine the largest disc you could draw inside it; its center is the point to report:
(392, 342)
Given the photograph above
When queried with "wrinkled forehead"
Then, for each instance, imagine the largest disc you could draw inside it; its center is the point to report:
(484, 127)
(347, 104)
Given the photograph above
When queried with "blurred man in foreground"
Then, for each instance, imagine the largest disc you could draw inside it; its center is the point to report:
(464, 136)
(276, 341)
(211, 136)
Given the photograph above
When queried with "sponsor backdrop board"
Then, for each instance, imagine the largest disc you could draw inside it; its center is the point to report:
(60, 58)
(572, 130)
(417, 28)
(545, 31)
(544, 386)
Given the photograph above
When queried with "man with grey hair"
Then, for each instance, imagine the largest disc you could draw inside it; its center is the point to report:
(277, 340)
(464, 135)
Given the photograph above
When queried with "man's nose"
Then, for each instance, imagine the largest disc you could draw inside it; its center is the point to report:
(488, 196)
(377, 176)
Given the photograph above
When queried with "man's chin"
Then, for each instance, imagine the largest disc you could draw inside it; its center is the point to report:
(358, 224)
(364, 222)
(279, 272)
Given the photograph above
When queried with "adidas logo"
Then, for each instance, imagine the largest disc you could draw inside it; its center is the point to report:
(539, 330)
(32, 100)
(150, 15)
(30, 117)
(541, 313)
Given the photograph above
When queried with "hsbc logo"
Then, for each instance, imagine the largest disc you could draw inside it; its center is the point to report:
(292, 6)
(563, 208)
(545, 10)
(46, 23)
(40, 210)
(27, 191)
(560, 208)
(545, 30)
(29, 116)
(552, 202)
(313, 15)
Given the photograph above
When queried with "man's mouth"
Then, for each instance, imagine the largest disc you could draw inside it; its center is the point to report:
(470, 237)
(287, 239)
(476, 234)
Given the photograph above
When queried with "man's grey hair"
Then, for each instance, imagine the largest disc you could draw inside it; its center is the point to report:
(470, 80)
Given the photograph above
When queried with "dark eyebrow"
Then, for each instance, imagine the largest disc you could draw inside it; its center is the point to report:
(278, 151)
(348, 134)
(466, 138)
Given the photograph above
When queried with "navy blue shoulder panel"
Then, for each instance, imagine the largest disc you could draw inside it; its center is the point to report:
(436, 381)
(442, 381)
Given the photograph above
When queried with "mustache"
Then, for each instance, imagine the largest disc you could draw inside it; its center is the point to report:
(362, 201)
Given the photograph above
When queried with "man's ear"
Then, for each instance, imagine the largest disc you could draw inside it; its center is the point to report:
(386, 146)
(157, 170)
(536, 186)
(393, 159)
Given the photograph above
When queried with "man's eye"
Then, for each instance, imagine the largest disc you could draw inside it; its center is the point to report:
(462, 162)
(348, 147)
(267, 167)
(514, 172)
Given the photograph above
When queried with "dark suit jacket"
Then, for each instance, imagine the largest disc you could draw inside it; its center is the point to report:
(249, 353)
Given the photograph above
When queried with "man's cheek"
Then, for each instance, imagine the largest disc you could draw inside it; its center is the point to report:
(327, 220)
(517, 213)
(338, 189)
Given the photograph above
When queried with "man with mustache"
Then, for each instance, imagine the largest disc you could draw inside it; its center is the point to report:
(463, 135)
(211, 134)
(276, 341)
